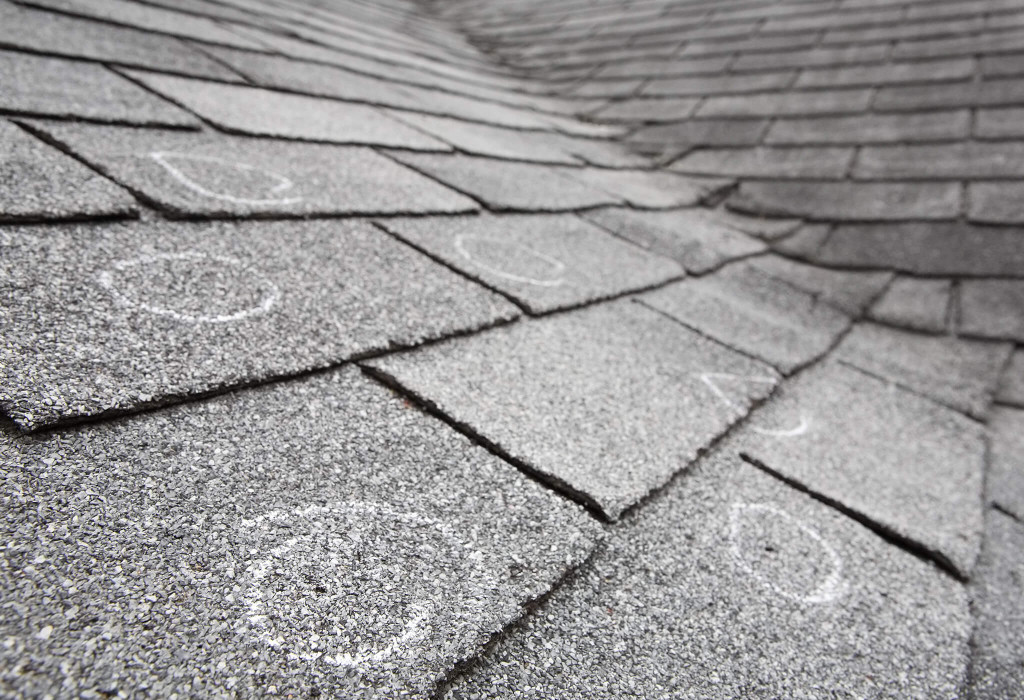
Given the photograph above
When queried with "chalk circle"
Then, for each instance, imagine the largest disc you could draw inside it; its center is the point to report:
(762, 519)
(710, 380)
(356, 584)
(166, 160)
(475, 249)
(108, 279)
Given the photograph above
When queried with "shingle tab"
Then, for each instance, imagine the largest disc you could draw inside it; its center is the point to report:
(872, 128)
(846, 201)
(745, 308)
(118, 317)
(51, 33)
(594, 401)
(993, 309)
(54, 87)
(956, 372)
(247, 536)
(912, 302)
(543, 262)
(907, 465)
(202, 174)
(733, 585)
(698, 240)
(1005, 483)
(998, 659)
(511, 186)
(768, 162)
(38, 182)
(259, 112)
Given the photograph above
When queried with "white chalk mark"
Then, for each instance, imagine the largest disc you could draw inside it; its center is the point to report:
(283, 183)
(106, 280)
(802, 427)
(709, 379)
(830, 589)
(558, 267)
(419, 614)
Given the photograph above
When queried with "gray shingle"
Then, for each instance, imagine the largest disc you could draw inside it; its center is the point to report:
(768, 162)
(845, 201)
(912, 302)
(316, 537)
(698, 240)
(543, 262)
(511, 186)
(51, 33)
(1011, 385)
(997, 668)
(259, 112)
(872, 128)
(733, 585)
(993, 309)
(607, 403)
(1005, 483)
(745, 308)
(114, 318)
(849, 291)
(906, 464)
(40, 182)
(190, 174)
(956, 372)
(55, 87)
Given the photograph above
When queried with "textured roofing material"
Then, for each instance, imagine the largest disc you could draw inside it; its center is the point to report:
(479, 349)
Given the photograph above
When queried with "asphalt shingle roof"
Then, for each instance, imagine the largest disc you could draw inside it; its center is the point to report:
(447, 348)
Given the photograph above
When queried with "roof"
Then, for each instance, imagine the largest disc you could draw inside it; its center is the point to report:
(601, 348)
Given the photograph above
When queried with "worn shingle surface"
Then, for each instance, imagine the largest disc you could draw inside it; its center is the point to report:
(785, 233)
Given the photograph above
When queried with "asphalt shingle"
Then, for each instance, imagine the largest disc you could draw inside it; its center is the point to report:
(258, 112)
(246, 536)
(54, 87)
(545, 263)
(511, 186)
(849, 291)
(844, 201)
(202, 174)
(606, 403)
(916, 303)
(1006, 471)
(698, 240)
(993, 309)
(118, 317)
(752, 311)
(50, 33)
(1011, 386)
(997, 668)
(957, 372)
(905, 464)
(38, 182)
(733, 585)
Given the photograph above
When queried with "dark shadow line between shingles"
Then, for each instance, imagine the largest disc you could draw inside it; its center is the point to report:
(545, 479)
(529, 610)
(110, 121)
(905, 543)
(176, 399)
(70, 12)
